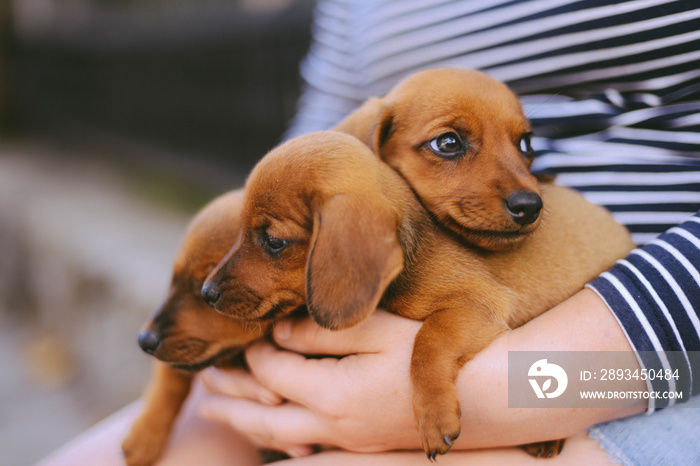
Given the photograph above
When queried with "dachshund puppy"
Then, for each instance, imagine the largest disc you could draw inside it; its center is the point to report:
(461, 141)
(185, 333)
(328, 225)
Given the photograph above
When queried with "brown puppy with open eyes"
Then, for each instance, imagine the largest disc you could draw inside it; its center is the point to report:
(326, 224)
(461, 141)
(185, 333)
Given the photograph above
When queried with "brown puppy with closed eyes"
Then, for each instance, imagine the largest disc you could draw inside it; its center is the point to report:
(185, 333)
(461, 141)
(326, 224)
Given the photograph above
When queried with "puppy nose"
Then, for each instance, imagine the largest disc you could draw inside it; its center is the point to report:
(524, 207)
(210, 294)
(148, 341)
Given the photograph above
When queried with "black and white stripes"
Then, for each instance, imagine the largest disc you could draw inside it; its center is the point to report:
(611, 88)
(655, 293)
(613, 93)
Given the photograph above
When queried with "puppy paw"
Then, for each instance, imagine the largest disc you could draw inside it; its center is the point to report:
(143, 446)
(548, 449)
(438, 428)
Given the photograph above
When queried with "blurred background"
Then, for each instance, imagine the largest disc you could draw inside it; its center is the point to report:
(118, 120)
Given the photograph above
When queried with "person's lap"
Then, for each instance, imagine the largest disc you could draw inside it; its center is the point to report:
(197, 441)
(193, 441)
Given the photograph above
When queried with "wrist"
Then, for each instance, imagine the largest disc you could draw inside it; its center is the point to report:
(582, 323)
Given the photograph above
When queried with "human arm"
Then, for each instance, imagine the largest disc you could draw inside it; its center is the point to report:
(363, 402)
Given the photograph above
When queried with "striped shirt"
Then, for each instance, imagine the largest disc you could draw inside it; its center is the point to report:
(654, 294)
(612, 90)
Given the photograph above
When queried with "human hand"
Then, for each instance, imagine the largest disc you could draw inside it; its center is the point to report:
(358, 397)
(362, 402)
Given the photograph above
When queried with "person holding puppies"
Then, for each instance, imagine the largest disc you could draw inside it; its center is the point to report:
(610, 91)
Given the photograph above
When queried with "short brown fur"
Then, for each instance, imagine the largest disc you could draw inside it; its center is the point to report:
(326, 224)
(467, 193)
(191, 334)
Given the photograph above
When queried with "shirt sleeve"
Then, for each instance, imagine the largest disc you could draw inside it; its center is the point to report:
(655, 295)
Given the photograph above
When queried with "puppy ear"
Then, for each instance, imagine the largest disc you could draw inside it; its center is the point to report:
(360, 123)
(354, 256)
(382, 130)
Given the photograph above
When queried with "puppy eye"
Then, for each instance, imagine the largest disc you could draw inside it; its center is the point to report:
(525, 147)
(272, 244)
(447, 145)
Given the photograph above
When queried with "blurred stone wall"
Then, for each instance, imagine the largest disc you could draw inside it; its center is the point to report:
(84, 260)
(126, 116)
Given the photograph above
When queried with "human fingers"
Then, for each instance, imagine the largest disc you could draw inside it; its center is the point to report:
(310, 382)
(238, 383)
(289, 427)
(376, 333)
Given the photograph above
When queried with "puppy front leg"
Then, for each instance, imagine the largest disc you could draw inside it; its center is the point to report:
(164, 396)
(445, 342)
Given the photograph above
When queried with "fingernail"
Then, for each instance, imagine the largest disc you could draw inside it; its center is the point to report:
(298, 452)
(208, 378)
(283, 330)
(270, 398)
